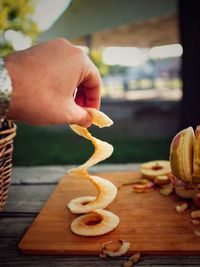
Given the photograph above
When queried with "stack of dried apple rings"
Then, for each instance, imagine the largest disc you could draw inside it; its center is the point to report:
(94, 220)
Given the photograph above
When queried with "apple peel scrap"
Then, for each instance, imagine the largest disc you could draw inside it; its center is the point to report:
(114, 248)
(132, 260)
(143, 187)
(96, 221)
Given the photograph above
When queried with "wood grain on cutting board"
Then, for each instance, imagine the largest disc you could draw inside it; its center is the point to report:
(147, 220)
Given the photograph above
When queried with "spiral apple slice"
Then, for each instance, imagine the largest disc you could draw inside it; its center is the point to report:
(99, 118)
(98, 222)
(106, 190)
(103, 150)
(106, 194)
(181, 155)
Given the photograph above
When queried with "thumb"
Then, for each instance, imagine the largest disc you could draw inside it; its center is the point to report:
(80, 116)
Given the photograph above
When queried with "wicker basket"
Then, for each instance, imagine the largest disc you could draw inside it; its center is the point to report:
(7, 134)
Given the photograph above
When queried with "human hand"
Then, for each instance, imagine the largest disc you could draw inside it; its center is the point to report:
(45, 78)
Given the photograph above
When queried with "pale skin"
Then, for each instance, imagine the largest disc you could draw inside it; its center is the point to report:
(45, 78)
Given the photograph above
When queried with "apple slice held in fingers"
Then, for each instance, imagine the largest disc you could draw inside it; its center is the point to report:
(181, 155)
(96, 221)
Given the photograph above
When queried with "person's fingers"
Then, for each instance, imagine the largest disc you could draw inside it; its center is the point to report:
(80, 97)
(89, 90)
(80, 116)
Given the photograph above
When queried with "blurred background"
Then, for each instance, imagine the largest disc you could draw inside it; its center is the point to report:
(147, 54)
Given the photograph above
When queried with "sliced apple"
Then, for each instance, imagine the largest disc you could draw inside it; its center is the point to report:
(162, 180)
(95, 223)
(152, 169)
(167, 190)
(196, 159)
(185, 191)
(181, 155)
(181, 208)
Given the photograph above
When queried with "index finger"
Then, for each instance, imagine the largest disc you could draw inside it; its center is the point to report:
(89, 91)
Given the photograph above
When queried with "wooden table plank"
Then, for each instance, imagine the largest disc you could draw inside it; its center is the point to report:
(27, 198)
(12, 230)
(15, 221)
(53, 174)
(149, 216)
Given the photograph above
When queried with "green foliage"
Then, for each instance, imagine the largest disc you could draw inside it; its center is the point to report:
(16, 15)
(104, 69)
(59, 145)
(96, 57)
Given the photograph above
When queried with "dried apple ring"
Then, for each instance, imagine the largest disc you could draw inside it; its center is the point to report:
(84, 225)
(106, 194)
(98, 222)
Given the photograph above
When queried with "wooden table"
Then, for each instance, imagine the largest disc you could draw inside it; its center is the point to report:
(30, 188)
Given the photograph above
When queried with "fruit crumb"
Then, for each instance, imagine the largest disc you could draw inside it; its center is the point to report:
(167, 190)
(195, 214)
(181, 208)
(197, 232)
(195, 222)
(132, 260)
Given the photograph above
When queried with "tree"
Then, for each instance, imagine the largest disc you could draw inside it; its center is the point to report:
(96, 57)
(16, 15)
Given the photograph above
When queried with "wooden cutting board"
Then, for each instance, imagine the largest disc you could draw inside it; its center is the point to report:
(147, 220)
